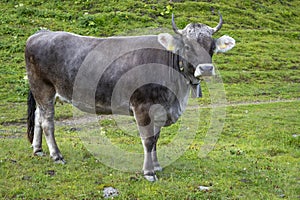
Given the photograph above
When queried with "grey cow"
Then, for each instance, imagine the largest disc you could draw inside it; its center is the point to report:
(149, 77)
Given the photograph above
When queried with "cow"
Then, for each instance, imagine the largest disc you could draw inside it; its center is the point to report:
(153, 75)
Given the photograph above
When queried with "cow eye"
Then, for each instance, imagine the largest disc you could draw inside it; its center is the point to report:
(187, 47)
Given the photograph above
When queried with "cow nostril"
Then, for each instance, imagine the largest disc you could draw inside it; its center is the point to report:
(206, 68)
(202, 68)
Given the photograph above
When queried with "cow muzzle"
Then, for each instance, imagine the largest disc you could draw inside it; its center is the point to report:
(206, 69)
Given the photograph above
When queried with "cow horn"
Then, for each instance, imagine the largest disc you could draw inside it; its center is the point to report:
(219, 26)
(176, 30)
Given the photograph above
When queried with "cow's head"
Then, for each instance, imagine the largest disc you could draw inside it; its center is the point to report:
(195, 44)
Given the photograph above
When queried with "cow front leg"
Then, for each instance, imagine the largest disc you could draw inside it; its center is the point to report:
(146, 128)
(148, 168)
(156, 164)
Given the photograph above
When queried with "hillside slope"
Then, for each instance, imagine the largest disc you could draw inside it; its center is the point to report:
(265, 61)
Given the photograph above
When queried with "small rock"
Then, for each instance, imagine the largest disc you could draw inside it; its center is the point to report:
(110, 192)
(296, 135)
(204, 188)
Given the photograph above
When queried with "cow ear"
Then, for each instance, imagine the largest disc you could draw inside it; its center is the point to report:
(167, 41)
(224, 43)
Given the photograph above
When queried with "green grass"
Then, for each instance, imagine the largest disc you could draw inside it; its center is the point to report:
(256, 156)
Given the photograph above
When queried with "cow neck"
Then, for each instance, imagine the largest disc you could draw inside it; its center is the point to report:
(174, 60)
(177, 64)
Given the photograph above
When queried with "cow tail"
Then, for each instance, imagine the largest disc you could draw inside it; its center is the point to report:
(30, 116)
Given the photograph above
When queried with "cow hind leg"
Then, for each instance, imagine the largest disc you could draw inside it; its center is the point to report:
(37, 136)
(44, 121)
(34, 129)
(47, 115)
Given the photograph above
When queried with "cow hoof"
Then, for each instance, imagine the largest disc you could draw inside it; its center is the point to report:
(158, 169)
(39, 153)
(60, 161)
(151, 178)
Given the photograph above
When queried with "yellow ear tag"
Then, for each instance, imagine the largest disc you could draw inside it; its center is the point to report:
(223, 46)
(171, 47)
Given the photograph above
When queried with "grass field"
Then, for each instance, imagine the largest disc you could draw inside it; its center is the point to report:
(257, 155)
